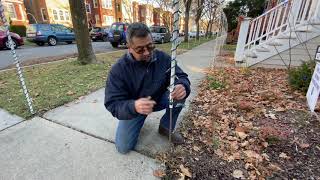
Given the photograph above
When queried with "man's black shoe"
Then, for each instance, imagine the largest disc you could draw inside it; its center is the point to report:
(176, 137)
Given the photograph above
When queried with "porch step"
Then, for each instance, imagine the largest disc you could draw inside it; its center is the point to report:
(262, 49)
(287, 36)
(274, 43)
(251, 54)
(305, 29)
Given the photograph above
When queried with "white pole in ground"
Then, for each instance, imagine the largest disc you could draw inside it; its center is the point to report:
(175, 44)
(15, 58)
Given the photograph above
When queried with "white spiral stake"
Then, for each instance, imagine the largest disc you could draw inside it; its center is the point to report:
(15, 58)
(175, 44)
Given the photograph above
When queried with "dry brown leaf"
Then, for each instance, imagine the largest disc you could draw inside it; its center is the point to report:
(185, 171)
(70, 93)
(196, 148)
(159, 173)
(265, 144)
(275, 167)
(253, 154)
(242, 135)
(237, 174)
(280, 109)
(304, 145)
(284, 156)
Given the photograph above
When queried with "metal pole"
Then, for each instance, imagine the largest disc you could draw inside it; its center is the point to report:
(15, 58)
(175, 44)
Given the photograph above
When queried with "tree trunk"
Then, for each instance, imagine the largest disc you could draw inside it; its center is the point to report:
(80, 27)
(187, 4)
(198, 29)
(186, 27)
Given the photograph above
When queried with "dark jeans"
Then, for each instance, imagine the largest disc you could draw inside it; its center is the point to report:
(128, 130)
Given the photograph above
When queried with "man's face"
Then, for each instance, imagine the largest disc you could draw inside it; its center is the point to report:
(141, 48)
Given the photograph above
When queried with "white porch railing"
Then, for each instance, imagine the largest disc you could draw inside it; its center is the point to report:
(278, 20)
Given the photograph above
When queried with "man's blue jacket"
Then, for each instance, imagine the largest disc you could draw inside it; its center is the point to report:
(130, 80)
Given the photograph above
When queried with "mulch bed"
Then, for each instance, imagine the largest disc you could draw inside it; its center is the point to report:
(246, 124)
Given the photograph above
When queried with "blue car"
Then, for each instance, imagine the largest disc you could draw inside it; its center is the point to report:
(49, 33)
(117, 34)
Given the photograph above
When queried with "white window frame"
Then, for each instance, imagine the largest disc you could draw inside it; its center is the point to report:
(57, 12)
(14, 10)
(97, 18)
(95, 3)
(41, 10)
(65, 15)
(108, 20)
(61, 15)
(106, 4)
(88, 4)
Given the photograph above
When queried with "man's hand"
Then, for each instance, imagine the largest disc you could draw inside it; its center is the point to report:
(144, 105)
(179, 92)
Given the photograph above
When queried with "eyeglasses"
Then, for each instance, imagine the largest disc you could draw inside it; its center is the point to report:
(140, 50)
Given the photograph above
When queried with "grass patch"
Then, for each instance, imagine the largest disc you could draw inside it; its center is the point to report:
(55, 84)
(230, 47)
(215, 84)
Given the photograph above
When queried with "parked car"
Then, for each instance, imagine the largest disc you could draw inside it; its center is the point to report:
(181, 33)
(160, 34)
(117, 34)
(49, 33)
(192, 34)
(4, 42)
(99, 33)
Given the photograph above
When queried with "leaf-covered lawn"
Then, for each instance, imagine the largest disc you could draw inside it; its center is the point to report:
(54, 84)
(249, 124)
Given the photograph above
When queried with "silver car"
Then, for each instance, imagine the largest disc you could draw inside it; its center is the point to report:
(160, 34)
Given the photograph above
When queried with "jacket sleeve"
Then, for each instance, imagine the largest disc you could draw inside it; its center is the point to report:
(117, 99)
(182, 77)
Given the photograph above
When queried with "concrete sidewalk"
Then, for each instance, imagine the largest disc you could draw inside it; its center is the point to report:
(75, 141)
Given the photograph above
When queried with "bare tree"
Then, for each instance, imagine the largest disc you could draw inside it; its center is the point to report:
(210, 15)
(80, 26)
(198, 14)
(187, 5)
(128, 14)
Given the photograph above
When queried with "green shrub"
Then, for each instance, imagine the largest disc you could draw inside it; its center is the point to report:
(21, 30)
(300, 77)
(215, 84)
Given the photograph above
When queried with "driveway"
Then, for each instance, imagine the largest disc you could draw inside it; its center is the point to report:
(26, 53)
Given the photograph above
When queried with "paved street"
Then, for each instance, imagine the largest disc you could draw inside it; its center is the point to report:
(26, 53)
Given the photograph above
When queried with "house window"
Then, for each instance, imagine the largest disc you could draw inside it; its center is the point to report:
(97, 17)
(67, 15)
(55, 14)
(44, 14)
(95, 3)
(12, 11)
(88, 8)
(107, 4)
(108, 20)
(61, 15)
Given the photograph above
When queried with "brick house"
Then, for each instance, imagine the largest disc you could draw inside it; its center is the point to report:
(99, 12)
(15, 12)
(103, 13)
(157, 20)
(49, 11)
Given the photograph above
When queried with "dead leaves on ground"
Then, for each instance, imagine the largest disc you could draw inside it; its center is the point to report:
(233, 116)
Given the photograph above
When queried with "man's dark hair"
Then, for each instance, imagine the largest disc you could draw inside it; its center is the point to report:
(138, 30)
